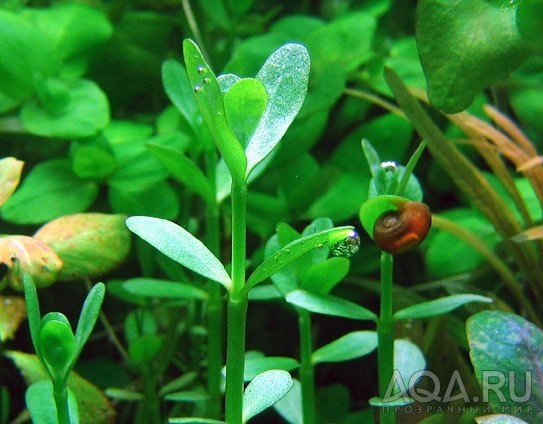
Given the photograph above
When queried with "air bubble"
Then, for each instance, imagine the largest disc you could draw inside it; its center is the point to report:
(198, 89)
(389, 165)
(206, 80)
(201, 69)
(348, 246)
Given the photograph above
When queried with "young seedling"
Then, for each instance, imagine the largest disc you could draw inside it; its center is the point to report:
(58, 349)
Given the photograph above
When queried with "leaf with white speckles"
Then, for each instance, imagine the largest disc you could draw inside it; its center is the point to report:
(505, 348)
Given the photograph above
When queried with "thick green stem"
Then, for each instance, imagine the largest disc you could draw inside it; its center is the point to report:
(385, 335)
(149, 410)
(307, 370)
(60, 393)
(237, 309)
(235, 360)
(215, 303)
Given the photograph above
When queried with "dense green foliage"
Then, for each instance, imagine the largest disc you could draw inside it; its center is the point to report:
(173, 112)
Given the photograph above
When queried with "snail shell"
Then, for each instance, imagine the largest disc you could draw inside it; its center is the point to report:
(402, 230)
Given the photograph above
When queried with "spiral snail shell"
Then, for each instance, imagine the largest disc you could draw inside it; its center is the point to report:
(396, 224)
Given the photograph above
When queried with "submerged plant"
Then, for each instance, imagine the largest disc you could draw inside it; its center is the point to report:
(246, 118)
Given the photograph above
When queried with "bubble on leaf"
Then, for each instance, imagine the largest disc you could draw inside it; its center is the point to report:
(198, 89)
(348, 246)
(389, 165)
(201, 69)
(206, 80)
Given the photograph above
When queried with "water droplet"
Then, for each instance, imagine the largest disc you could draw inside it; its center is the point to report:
(206, 80)
(389, 165)
(201, 69)
(198, 89)
(348, 246)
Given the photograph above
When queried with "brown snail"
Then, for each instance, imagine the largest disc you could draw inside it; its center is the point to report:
(396, 224)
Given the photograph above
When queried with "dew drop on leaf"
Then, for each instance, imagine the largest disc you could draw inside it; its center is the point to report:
(206, 80)
(201, 69)
(346, 247)
(198, 89)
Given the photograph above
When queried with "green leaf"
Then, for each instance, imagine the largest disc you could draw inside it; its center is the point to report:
(163, 289)
(290, 406)
(160, 200)
(285, 75)
(529, 13)
(181, 246)
(244, 103)
(345, 42)
(178, 383)
(61, 23)
(177, 87)
(408, 360)
(294, 250)
(329, 305)
(187, 396)
(265, 389)
(184, 170)
(26, 53)
(57, 345)
(322, 277)
(93, 162)
(50, 190)
(255, 366)
(503, 349)
(123, 394)
(85, 113)
(465, 46)
(144, 349)
(32, 310)
(342, 200)
(40, 402)
(89, 315)
(195, 421)
(210, 102)
(444, 248)
(350, 346)
(438, 306)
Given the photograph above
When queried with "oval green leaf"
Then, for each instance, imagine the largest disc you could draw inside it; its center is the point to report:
(265, 390)
(285, 76)
(210, 102)
(180, 245)
(507, 348)
(50, 190)
(350, 346)
(457, 43)
(438, 306)
(295, 249)
(329, 305)
(163, 289)
(255, 366)
(244, 104)
(85, 113)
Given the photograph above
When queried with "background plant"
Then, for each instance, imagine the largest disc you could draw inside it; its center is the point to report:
(85, 126)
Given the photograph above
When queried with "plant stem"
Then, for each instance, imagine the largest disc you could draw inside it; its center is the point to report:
(60, 393)
(149, 411)
(385, 335)
(235, 360)
(237, 309)
(215, 303)
(307, 371)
